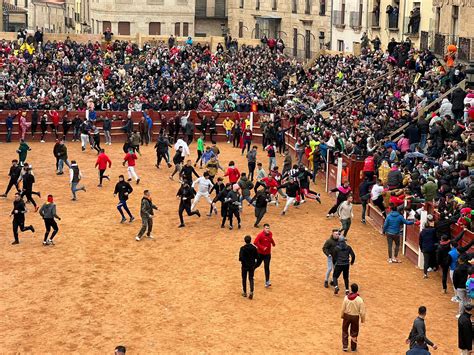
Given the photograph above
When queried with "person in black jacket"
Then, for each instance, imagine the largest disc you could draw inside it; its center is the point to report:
(460, 277)
(28, 181)
(233, 199)
(161, 148)
(178, 162)
(123, 189)
(14, 174)
(428, 242)
(248, 257)
(261, 200)
(364, 193)
(328, 250)
(187, 172)
(222, 197)
(465, 330)
(443, 259)
(18, 213)
(419, 330)
(186, 193)
(344, 256)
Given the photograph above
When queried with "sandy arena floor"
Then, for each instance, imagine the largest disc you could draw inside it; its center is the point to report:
(98, 287)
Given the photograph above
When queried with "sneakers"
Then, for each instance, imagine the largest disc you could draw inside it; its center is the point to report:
(32, 229)
(336, 290)
(100, 185)
(181, 225)
(283, 213)
(15, 242)
(128, 180)
(231, 227)
(255, 225)
(215, 210)
(455, 299)
(123, 220)
(244, 294)
(150, 237)
(329, 215)
(326, 284)
(363, 221)
(138, 181)
(425, 276)
(318, 198)
(331, 283)
(137, 238)
(390, 261)
(198, 213)
(46, 243)
(239, 226)
(347, 292)
(430, 269)
(268, 283)
(132, 219)
(250, 295)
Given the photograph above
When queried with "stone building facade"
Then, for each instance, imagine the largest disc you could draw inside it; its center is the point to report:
(303, 25)
(148, 17)
(48, 15)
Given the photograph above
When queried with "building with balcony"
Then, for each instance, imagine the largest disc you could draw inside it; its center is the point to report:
(399, 19)
(147, 17)
(349, 22)
(303, 25)
(15, 15)
(452, 25)
(210, 18)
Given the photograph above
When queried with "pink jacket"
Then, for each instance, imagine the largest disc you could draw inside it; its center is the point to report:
(403, 145)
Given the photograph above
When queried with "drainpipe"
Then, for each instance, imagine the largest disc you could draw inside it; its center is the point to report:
(404, 12)
(330, 31)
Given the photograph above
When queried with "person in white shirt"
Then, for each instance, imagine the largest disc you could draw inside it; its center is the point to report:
(376, 196)
(181, 143)
(205, 186)
(345, 214)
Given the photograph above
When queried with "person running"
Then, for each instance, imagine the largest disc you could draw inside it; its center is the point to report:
(18, 213)
(207, 155)
(147, 214)
(75, 175)
(22, 151)
(392, 229)
(252, 161)
(271, 153)
(260, 172)
(233, 173)
(217, 187)
(245, 186)
(264, 242)
(130, 159)
(222, 197)
(344, 256)
(102, 162)
(419, 330)
(85, 129)
(345, 213)
(123, 189)
(162, 145)
(187, 172)
(48, 212)
(186, 194)
(15, 175)
(343, 191)
(205, 186)
(292, 193)
(228, 125)
(212, 167)
(233, 198)
(353, 311)
(272, 186)
(178, 160)
(62, 157)
(328, 250)
(200, 150)
(248, 256)
(28, 182)
(304, 177)
(260, 200)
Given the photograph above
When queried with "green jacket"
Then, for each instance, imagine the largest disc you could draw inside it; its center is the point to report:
(23, 151)
(429, 190)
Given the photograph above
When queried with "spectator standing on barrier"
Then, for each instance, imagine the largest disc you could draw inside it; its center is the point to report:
(328, 250)
(392, 229)
(353, 312)
(377, 197)
(418, 331)
(428, 242)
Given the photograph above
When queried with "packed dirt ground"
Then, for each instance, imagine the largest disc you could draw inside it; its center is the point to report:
(98, 287)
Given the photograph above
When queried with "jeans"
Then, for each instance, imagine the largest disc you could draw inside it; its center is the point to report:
(123, 204)
(251, 165)
(61, 165)
(423, 139)
(330, 267)
(108, 137)
(9, 135)
(74, 188)
(76, 134)
(393, 238)
(266, 262)
(250, 272)
(346, 224)
(272, 162)
(463, 299)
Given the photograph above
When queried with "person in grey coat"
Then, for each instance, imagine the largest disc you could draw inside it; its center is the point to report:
(48, 212)
(146, 213)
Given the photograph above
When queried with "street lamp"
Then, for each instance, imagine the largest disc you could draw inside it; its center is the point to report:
(470, 75)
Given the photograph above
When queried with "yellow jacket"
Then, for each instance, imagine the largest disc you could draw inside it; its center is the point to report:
(228, 124)
(354, 307)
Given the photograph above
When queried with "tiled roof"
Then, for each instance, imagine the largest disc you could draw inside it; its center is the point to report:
(13, 9)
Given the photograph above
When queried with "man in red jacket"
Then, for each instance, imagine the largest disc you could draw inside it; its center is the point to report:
(102, 161)
(264, 242)
(233, 173)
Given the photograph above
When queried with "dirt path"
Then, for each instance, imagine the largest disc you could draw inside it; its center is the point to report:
(98, 287)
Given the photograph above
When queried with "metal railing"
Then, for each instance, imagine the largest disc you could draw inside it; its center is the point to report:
(412, 29)
(392, 21)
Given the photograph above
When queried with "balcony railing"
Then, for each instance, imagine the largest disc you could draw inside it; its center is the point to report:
(374, 19)
(338, 18)
(392, 22)
(412, 28)
(355, 20)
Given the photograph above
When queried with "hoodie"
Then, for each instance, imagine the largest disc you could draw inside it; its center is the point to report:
(233, 173)
(245, 185)
(394, 222)
(446, 108)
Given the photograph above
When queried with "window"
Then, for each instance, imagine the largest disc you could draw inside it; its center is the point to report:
(322, 7)
(274, 5)
(185, 29)
(124, 28)
(294, 6)
(106, 25)
(241, 4)
(201, 8)
(307, 44)
(177, 30)
(154, 28)
(257, 4)
(455, 21)
(340, 46)
(343, 12)
(257, 30)
(307, 7)
(437, 19)
(295, 42)
(220, 7)
(241, 29)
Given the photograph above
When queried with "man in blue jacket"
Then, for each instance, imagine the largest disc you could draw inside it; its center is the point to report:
(392, 228)
(9, 123)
